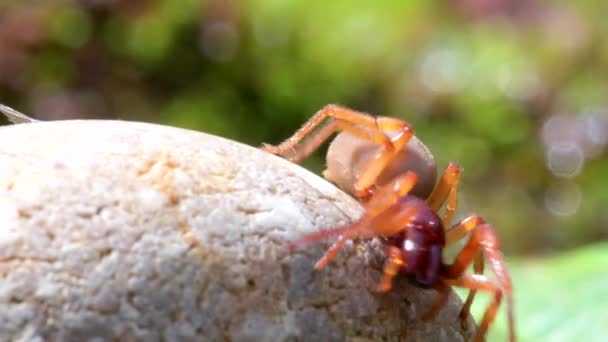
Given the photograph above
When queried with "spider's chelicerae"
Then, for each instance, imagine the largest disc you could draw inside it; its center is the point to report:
(382, 163)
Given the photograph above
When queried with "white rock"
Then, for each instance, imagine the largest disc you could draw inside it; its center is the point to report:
(132, 231)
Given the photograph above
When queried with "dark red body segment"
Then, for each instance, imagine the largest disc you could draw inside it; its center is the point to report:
(421, 243)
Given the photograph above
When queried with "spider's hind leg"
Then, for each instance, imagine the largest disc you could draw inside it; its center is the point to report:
(483, 242)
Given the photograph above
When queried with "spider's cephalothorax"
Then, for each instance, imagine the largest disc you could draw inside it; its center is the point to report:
(379, 161)
(421, 243)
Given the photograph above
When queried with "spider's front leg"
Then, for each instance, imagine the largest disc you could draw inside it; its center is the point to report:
(362, 125)
(375, 221)
(483, 242)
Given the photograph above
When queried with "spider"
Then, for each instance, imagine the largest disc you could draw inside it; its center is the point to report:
(390, 171)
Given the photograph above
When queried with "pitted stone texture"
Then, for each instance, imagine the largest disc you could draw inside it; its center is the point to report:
(118, 230)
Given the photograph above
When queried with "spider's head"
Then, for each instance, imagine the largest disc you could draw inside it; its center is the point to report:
(422, 245)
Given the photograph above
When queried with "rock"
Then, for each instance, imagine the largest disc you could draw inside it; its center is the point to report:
(119, 230)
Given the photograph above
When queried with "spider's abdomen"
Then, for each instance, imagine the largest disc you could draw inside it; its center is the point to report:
(348, 155)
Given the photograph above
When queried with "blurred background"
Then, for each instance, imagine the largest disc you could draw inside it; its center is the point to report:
(512, 90)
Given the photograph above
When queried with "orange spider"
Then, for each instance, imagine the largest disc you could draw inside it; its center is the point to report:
(379, 161)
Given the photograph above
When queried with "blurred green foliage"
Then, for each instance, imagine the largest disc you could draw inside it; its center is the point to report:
(558, 299)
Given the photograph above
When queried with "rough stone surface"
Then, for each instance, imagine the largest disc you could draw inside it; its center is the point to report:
(117, 230)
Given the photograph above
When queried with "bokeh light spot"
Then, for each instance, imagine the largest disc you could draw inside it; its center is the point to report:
(565, 160)
(218, 40)
(559, 129)
(595, 128)
(442, 71)
(563, 199)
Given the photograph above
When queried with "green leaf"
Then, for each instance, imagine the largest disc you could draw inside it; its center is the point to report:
(558, 298)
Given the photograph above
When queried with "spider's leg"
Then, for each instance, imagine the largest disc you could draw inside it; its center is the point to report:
(387, 195)
(395, 260)
(373, 223)
(375, 166)
(478, 266)
(458, 231)
(484, 284)
(446, 190)
(306, 140)
(483, 240)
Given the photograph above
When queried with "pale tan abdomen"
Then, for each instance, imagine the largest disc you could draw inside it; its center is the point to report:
(347, 155)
